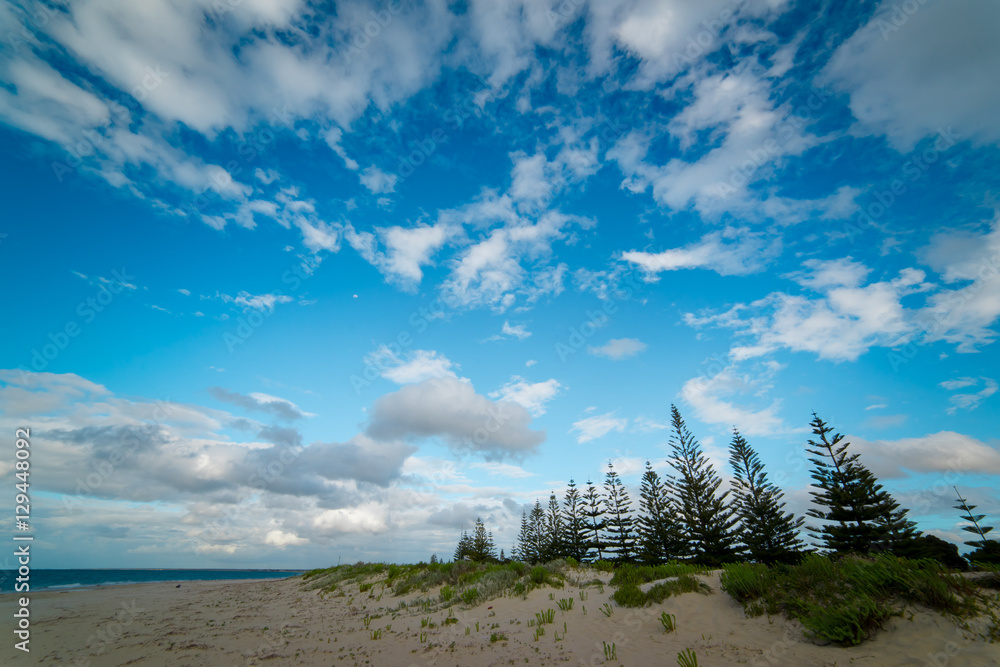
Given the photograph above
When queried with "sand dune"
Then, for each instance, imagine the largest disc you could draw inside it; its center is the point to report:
(279, 622)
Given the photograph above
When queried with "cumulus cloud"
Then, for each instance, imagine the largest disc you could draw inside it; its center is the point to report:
(941, 452)
(419, 366)
(934, 70)
(619, 348)
(399, 253)
(452, 410)
(518, 331)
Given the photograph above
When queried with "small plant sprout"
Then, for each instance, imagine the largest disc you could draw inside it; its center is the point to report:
(423, 637)
(669, 622)
(566, 604)
(468, 631)
(687, 659)
(376, 634)
(607, 610)
(610, 651)
(497, 637)
(366, 620)
(547, 616)
(583, 596)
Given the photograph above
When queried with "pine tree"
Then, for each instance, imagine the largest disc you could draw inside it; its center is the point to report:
(769, 534)
(621, 536)
(555, 529)
(858, 514)
(577, 542)
(464, 548)
(539, 537)
(593, 514)
(974, 519)
(434, 559)
(482, 549)
(707, 523)
(524, 545)
(659, 536)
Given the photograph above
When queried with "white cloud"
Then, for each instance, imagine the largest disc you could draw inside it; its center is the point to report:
(185, 292)
(969, 401)
(964, 315)
(452, 410)
(502, 469)
(619, 348)
(730, 252)
(256, 301)
(877, 406)
(281, 539)
(256, 401)
(946, 451)
(591, 428)
(378, 181)
(518, 331)
(959, 383)
(840, 325)
(709, 396)
(533, 396)
(647, 425)
(935, 70)
(407, 249)
(421, 365)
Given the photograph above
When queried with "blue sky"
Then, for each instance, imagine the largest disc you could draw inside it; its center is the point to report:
(286, 283)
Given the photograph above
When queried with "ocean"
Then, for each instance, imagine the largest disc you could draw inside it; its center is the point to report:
(74, 579)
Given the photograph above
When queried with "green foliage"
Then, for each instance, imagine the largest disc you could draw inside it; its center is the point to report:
(669, 622)
(610, 651)
(565, 604)
(376, 634)
(447, 593)
(469, 596)
(629, 595)
(607, 610)
(856, 514)
(846, 600)
(706, 521)
(745, 581)
(768, 533)
(687, 658)
(543, 617)
(603, 565)
(974, 519)
(538, 575)
(497, 637)
(593, 516)
(659, 535)
(644, 573)
(685, 583)
(618, 509)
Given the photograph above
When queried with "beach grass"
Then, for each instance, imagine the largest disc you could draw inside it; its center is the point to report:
(845, 601)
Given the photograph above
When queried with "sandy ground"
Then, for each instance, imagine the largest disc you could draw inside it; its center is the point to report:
(281, 623)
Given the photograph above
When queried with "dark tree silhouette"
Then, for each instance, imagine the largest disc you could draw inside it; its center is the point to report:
(768, 533)
(620, 535)
(659, 536)
(594, 518)
(707, 523)
(858, 515)
(576, 527)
